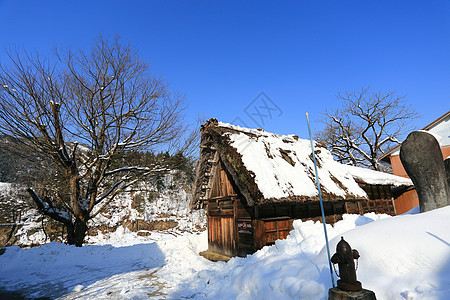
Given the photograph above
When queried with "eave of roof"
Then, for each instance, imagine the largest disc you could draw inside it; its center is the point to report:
(385, 156)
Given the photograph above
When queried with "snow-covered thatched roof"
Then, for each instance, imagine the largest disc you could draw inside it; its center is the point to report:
(377, 178)
(269, 167)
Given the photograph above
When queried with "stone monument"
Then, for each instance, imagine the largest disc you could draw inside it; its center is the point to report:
(422, 159)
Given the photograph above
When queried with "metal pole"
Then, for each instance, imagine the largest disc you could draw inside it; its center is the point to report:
(321, 202)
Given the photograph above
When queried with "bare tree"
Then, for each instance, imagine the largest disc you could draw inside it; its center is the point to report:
(365, 126)
(82, 109)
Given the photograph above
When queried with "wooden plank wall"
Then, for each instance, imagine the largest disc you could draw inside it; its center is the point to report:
(268, 231)
(274, 221)
(222, 185)
(380, 200)
(220, 233)
(221, 226)
(381, 206)
(304, 211)
(222, 220)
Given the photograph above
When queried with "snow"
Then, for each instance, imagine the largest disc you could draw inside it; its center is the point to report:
(277, 178)
(439, 131)
(376, 177)
(102, 271)
(168, 204)
(402, 257)
(5, 186)
(442, 129)
(435, 135)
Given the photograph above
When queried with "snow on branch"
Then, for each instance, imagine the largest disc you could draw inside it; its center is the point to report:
(47, 208)
(115, 185)
(366, 125)
(112, 193)
(136, 168)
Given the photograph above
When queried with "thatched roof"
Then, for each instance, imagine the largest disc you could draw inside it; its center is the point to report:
(268, 167)
(376, 177)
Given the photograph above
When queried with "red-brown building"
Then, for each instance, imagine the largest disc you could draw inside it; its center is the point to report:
(406, 199)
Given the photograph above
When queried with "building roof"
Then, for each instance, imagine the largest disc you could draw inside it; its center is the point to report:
(437, 121)
(385, 156)
(268, 167)
(377, 178)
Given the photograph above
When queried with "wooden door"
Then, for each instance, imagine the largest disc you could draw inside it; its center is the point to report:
(221, 233)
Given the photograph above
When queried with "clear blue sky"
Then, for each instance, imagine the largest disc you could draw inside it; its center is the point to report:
(222, 54)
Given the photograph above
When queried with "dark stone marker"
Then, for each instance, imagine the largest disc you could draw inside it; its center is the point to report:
(447, 170)
(422, 159)
(338, 294)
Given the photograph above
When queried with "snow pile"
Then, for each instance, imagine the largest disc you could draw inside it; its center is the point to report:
(402, 257)
(31, 233)
(168, 205)
(375, 177)
(13, 203)
(283, 165)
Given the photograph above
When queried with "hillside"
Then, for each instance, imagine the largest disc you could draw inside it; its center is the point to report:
(143, 211)
(159, 202)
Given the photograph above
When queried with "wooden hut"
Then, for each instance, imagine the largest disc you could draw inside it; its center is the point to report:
(380, 189)
(254, 184)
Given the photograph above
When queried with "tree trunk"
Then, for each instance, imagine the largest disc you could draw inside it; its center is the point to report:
(76, 232)
(70, 233)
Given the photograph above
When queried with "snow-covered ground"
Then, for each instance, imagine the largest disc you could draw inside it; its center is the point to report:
(402, 257)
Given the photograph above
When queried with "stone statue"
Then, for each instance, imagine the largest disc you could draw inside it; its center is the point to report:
(422, 159)
(447, 170)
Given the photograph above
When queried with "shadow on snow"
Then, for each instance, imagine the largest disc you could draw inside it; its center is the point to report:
(54, 269)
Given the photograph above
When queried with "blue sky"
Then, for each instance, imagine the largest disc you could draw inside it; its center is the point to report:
(223, 54)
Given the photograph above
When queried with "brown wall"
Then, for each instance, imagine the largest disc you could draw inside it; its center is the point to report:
(406, 201)
(221, 211)
(397, 167)
(268, 231)
(409, 199)
(445, 151)
(222, 185)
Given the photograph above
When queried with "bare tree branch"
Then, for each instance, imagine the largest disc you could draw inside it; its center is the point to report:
(365, 126)
(82, 109)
